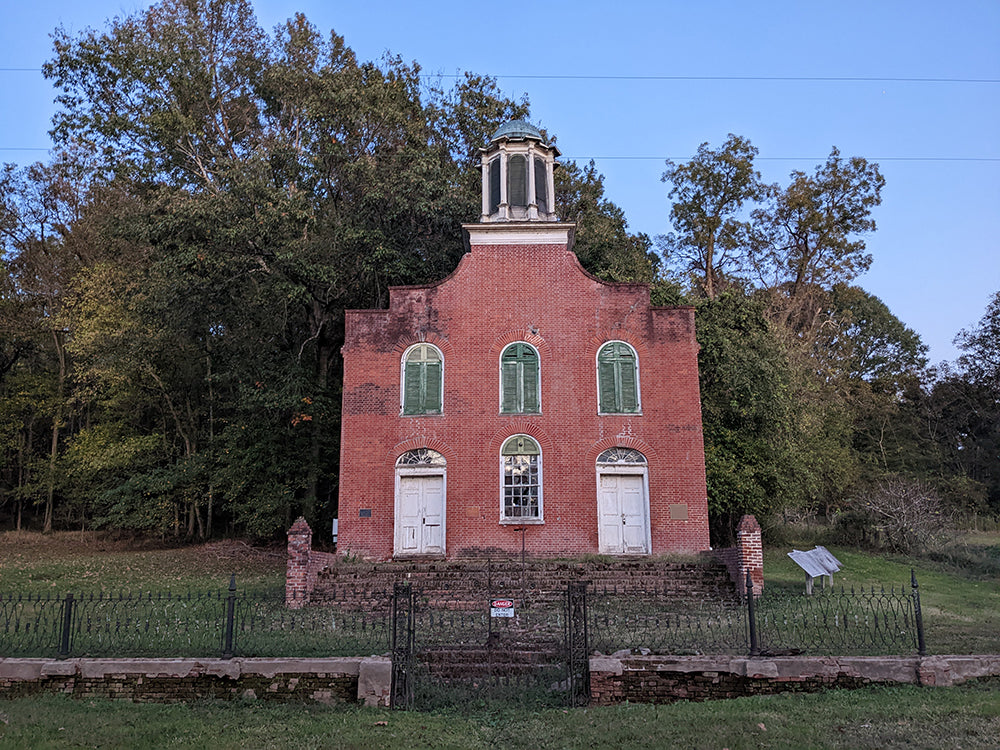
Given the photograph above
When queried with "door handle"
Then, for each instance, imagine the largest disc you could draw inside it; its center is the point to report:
(623, 519)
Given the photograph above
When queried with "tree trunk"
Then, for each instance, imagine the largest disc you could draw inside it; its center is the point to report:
(56, 425)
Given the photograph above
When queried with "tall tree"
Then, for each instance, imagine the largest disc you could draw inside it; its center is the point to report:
(708, 194)
(276, 180)
(809, 237)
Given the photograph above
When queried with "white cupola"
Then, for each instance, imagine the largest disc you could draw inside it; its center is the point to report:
(517, 171)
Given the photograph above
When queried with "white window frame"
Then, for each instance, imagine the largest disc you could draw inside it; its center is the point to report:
(521, 520)
(538, 384)
(638, 380)
(402, 381)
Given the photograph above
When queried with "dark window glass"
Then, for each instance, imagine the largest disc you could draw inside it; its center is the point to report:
(521, 478)
(541, 187)
(494, 185)
(517, 179)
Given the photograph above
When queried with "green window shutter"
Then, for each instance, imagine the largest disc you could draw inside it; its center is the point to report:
(628, 392)
(412, 377)
(606, 385)
(432, 388)
(617, 383)
(529, 381)
(519, 379)
(508, 385)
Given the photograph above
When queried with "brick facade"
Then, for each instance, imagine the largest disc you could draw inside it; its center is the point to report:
(521, 282)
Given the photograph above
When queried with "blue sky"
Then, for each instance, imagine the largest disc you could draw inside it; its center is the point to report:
(619, 82)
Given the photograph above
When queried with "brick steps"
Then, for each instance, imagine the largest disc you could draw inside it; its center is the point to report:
(467, 584)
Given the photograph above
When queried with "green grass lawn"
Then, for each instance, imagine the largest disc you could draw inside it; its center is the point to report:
(960, 598)
(963, 717)
(91, 562)
(961, 605)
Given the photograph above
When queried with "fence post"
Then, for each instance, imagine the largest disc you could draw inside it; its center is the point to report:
(67, 626)
(918, 615)
(401, 687)
(752, 617)
(227, 651)
(577, 646)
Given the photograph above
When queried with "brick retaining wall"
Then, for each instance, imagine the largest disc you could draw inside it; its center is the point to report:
(614, 679)
(665, 679)
(337, 680)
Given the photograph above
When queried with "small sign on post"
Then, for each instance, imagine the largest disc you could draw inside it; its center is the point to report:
(817, 563)
(501, 608)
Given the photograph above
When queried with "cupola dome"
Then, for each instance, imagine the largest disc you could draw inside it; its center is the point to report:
(517, 169)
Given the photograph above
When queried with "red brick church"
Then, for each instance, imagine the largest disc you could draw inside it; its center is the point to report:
(521, 400)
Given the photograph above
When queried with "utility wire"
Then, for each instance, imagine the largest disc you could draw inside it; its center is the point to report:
(620, 157)
(588, 77)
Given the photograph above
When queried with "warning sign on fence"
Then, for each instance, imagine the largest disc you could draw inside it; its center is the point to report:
(501, 608)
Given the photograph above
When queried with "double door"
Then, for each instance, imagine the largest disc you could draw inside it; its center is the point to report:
(623, 514)
(420, 515)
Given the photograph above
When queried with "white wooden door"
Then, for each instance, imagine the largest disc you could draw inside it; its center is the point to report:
(621, 507)
(420, 515)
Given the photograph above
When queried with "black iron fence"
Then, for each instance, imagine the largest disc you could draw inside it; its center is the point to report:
(834, 621)
(506, 652)
(229, 622)
(222, 623)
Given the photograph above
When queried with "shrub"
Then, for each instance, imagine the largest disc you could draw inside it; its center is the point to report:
(897, 514)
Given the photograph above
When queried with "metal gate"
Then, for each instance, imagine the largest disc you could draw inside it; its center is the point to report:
(506, 650)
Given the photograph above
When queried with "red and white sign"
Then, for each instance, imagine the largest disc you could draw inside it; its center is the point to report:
(501, 608)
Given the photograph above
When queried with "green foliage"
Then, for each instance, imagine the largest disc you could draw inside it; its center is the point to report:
(745, 408)
(708, 195)
(809, 236)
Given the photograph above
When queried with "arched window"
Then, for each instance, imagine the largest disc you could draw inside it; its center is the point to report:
(519, 379)
(622, 457)
(422, 380)
(517, 181)
(521, 481)
(421, 457)
(617, 379)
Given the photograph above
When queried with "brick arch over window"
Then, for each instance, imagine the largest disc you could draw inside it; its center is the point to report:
(418, 442)
(519, 427)
(633, 340)
(443, 344)
(622, 442)
(505, 339)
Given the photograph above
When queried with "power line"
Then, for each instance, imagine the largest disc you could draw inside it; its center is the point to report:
(793, 158)
(805, 79)
(626, 157)
(589, 77)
